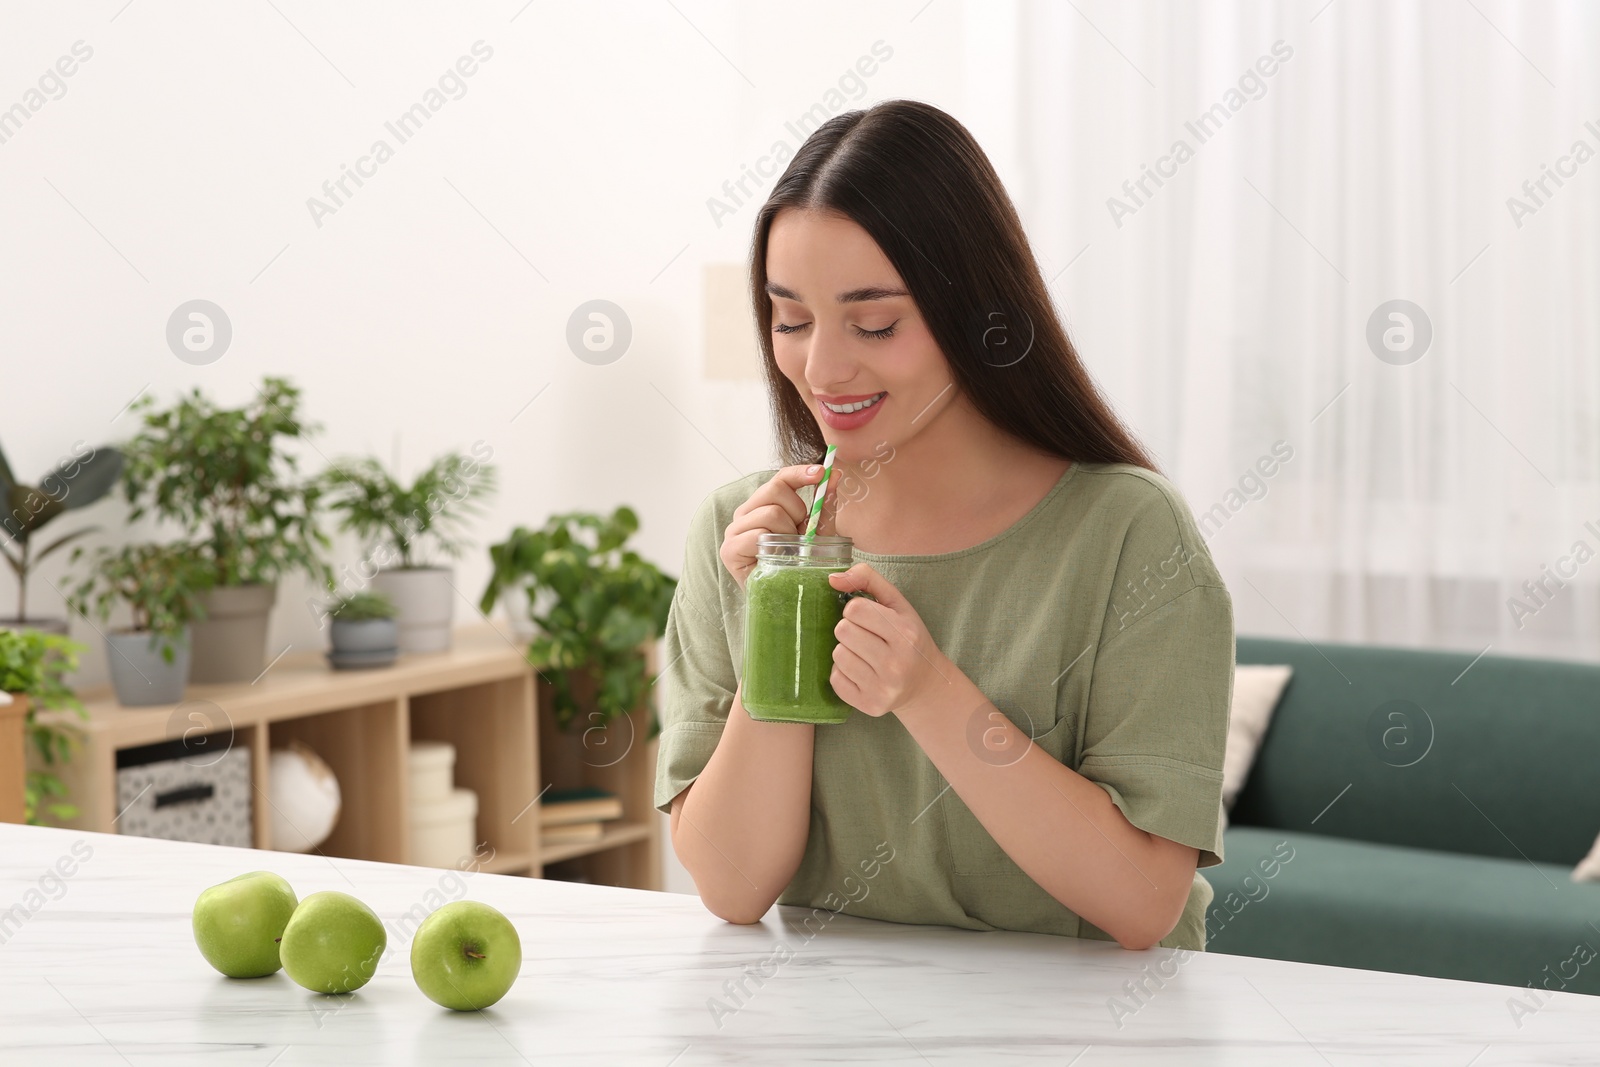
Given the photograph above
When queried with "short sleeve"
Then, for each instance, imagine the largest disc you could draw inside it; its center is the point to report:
(698, 675)
(1156, 725)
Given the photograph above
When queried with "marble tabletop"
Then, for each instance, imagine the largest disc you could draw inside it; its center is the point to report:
(98, 966)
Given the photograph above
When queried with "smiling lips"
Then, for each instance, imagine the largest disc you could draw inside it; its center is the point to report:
(849, 412)
(843, 405)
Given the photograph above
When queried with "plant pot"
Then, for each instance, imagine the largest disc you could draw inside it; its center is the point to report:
(364, 643)
(365, 635)
(49, 626)
(424, 601)
(230, 643)
(140, 675)
(515, 600)
(586, 752)
(561, 753)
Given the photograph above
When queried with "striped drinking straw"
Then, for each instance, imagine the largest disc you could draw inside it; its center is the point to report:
(822, 491)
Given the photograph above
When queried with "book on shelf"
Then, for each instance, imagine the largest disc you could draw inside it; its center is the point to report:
(593, 830)
(559, 807)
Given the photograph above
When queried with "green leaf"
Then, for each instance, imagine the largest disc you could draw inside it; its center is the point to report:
(604, 601)
(7, 479)
(418, 521)
(228, 478)
(623, 629)
(94, 477)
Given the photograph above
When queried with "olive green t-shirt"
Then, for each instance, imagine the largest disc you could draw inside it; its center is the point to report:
(1097, 623)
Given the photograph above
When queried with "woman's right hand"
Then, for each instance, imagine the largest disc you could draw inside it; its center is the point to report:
(776, 507)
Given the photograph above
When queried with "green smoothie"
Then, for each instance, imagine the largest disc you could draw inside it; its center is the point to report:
(790, 613)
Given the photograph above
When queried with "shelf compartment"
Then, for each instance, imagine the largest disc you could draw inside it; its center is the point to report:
(366, 747)
(491, 727)
(620, 833)
(508, 863)
(621, 761)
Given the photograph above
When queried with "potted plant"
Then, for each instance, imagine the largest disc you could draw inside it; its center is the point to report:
(162, 586)
(74, 482)
(33, 669)
(364, 632)
(410, 526)
(225, 475)
(593, 603)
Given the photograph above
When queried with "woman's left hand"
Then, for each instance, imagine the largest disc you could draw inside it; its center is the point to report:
(886, 659)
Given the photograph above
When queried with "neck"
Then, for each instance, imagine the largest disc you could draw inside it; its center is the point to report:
(956, 475)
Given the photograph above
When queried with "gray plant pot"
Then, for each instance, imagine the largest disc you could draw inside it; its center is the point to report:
(365, 635)
(424, 601)
(230, 643)
(140, 675)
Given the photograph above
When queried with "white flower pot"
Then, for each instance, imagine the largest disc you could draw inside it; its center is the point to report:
(515, 601)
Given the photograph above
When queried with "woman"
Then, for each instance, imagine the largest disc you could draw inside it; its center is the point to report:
(1043, 681)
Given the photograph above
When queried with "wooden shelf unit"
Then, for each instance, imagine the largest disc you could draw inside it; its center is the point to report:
(481, 696)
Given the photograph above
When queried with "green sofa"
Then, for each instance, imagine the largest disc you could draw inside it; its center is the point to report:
(1435, 817)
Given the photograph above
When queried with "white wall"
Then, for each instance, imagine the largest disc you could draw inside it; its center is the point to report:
(179, 161)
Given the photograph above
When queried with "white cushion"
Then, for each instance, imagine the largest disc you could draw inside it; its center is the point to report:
(1256, 689)
(1588, 870)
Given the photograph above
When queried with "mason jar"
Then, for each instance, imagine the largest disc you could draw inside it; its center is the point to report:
(790, 614)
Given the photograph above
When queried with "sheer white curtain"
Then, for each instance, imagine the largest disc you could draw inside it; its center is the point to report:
(1354, 154)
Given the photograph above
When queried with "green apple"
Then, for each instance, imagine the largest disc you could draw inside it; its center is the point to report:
(466, 955)
(333, 943)
(237, 923)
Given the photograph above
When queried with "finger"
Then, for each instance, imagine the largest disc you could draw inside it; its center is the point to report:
(743, 549)
(742, 539)
(885, 617)
(768, 518)
(854, 665)
(876, 620)
(844, 688)
(860, 639)
(897, 628)
(862, 578)
(782, 489)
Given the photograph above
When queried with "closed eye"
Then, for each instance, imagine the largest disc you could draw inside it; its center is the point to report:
(879, 335)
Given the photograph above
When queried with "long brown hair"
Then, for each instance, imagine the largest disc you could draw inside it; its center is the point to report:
(919, 184)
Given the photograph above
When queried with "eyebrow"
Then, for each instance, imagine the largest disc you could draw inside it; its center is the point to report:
(849, 296)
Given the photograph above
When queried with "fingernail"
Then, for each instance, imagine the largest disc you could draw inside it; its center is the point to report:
(813, 469)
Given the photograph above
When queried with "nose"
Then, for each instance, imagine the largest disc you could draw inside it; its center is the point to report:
(830, 368)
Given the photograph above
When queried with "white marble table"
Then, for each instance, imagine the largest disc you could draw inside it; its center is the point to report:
(100, 967)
